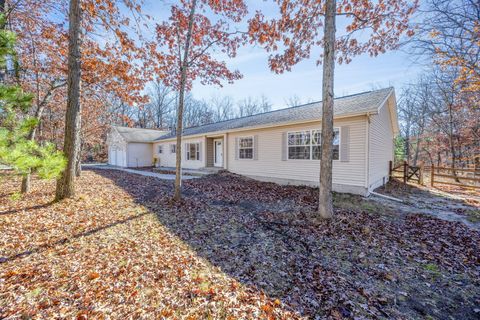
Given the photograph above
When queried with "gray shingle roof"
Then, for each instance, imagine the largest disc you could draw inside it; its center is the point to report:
(353, 104)
(139, 134)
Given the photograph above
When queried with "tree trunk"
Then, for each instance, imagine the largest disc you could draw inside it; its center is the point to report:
(325, 201)
(31, 136)
(417, 150)
(181, 100)
(407, 146)
(25, 183)
(78, 162)
(2, 70)
(66, 182)
(452, 143)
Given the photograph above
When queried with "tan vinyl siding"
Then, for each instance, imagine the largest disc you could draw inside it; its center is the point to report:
(167, 159)
(139, 154)
(210, 152)
(380, 146)
(270, 163)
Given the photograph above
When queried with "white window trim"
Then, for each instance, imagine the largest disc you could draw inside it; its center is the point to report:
(253, 148)
(300, 145)
(160, 149)
(172, 146)
(197, 151)
(311, 145)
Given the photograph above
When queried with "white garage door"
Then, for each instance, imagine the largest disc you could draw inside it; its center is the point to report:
(116, 156)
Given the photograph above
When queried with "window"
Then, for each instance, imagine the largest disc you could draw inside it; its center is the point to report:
(316, 144)
(306, 145)
(336, 144)
(299, 145)
(193, 151)
(160, 149)
(245, 148)
(173, 148)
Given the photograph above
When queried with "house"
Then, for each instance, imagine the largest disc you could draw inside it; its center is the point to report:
(283, 146)
(131, 147)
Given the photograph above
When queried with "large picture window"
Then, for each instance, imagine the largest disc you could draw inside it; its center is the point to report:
(193, 151)
(245, 148)
(306, 145)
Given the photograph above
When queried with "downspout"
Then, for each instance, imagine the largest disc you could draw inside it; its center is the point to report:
(367, 155)
(225, 151)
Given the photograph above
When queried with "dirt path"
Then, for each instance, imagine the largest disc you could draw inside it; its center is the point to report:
(437, 203)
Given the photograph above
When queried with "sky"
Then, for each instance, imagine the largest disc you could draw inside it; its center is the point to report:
(364, 73)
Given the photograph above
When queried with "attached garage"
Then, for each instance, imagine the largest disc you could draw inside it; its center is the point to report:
(131, 147)
(117, 156)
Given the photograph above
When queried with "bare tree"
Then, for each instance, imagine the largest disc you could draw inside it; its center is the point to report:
(223, 108)
(247, 107)
(293, 101)
(414, 109)
(264, 104)
(250, 106)
(197, 112)
(162, 104)
(448, 34)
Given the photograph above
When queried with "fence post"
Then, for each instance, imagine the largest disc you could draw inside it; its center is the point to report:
(405, 172)
(432, 175)
(390, 168)
(420, 174)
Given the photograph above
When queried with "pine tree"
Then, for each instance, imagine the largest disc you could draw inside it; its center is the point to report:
(16, 150)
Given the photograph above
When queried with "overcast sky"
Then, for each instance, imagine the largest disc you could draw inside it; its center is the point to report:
(394, 68)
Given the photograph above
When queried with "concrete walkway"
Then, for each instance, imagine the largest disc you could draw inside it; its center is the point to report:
(140, 172)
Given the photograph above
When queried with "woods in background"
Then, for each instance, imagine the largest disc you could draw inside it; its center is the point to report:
(439, 113)
(439, 121)
(128, 79)
(160, 112)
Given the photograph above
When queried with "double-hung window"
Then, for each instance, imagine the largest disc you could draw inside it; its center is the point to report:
(193, 151)
(307, 145)
(245, 148)
(173, 148)
(336, 144)
(299, 145)
(316, 144)
(160, 149)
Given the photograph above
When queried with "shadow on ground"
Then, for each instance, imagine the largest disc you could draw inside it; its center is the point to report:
(364, 263)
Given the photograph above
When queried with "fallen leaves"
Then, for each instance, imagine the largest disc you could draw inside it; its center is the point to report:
(93, 275)
(124, 249)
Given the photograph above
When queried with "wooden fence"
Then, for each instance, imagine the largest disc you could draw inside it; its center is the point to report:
(460, 177)
(407, 172)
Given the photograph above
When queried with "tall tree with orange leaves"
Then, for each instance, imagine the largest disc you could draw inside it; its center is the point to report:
(297, 32)
(194, 30)
(115, 60)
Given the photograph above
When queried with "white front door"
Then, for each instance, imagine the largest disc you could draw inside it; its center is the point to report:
(218, 156)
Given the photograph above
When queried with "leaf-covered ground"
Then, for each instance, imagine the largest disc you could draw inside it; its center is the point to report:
(235, 248)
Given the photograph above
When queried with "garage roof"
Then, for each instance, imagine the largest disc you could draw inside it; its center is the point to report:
(140, 134)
